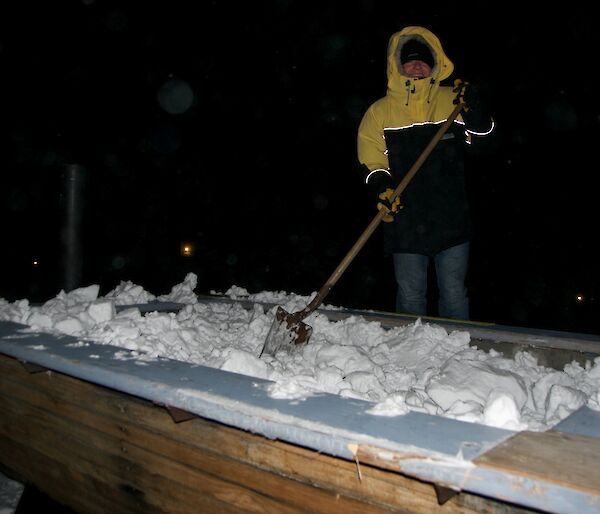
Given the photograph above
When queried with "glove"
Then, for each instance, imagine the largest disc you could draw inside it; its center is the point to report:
(473, 97)
(385, 204)
(475, 113)
(381, 187)
(459, 89)
(471, 94)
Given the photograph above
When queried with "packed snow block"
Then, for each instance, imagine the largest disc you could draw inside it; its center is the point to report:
(93, 433)
(101, 311)
(479, 384)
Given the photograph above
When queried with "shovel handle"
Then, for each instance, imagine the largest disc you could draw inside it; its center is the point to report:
(342, 266)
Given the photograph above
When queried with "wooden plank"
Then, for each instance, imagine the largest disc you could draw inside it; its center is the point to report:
(572, 458)
(83, 492)
(164, 480)
(64, 483)
(391, 490)
(301, 495)
(130, 471)
(101, 421)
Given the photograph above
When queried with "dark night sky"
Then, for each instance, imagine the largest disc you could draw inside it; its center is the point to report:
(233, 126)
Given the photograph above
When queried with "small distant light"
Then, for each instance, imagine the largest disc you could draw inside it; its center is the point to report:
(580, 298)
(35, 262)
(187, 249)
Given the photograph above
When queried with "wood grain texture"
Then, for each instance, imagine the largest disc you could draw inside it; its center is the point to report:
(99, 450)
(573, 459)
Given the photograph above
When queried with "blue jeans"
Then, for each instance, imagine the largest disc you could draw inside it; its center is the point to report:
(451, 270)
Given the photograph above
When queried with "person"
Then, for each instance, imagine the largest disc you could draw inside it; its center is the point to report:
(431, 220)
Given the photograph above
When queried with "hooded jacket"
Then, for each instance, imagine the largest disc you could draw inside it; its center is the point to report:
(394, 132)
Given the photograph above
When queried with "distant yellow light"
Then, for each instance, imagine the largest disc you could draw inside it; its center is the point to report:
(35, 262)
(187, 249)
(580, 298)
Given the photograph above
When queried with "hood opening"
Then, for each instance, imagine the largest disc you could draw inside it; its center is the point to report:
(415, 46)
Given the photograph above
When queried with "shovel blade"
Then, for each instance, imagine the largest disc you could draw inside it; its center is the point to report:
(286, 333)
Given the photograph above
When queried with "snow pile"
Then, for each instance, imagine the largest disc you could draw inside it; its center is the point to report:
(419, 367)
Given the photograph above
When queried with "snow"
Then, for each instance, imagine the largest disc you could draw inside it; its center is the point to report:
(417, 367)
(10, 493)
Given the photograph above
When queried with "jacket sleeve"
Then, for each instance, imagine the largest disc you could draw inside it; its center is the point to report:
(372, 151)
(478, 124)
(480, 132)
(478, 120)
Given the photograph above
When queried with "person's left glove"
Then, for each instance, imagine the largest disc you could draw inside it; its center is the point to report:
(476, 112)
(386, 203)
(473, 97)
(471, 94)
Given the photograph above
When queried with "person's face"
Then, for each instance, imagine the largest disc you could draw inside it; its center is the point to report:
(416, 69)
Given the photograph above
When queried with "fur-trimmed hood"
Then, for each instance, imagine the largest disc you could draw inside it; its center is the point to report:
(442, 68)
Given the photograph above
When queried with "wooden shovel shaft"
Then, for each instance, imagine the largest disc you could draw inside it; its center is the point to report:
(324, 291)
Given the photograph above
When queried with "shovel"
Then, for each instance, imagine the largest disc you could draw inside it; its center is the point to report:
(288, 331)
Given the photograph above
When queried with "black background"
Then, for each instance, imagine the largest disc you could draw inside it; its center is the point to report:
(259, 170)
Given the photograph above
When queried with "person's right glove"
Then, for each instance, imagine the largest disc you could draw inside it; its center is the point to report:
(381, 187)
(385, 203)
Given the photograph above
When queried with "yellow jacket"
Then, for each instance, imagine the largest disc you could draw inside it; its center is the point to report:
(393, 133)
